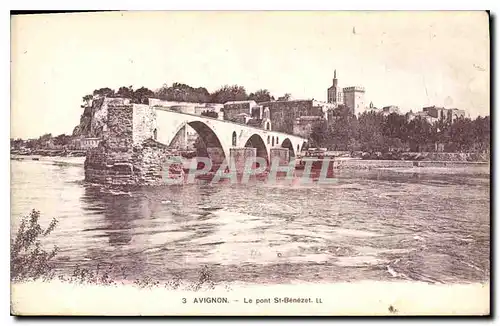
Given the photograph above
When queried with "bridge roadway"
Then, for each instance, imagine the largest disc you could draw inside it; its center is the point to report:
(223, 134)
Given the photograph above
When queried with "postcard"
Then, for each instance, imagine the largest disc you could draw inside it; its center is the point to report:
(250, 163)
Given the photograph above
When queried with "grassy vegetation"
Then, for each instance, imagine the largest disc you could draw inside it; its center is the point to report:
(30, 261)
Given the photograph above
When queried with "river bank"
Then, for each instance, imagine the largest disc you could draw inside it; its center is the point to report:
(49, 152)
(340, 163)
(56, 160)
(361, 164)
(423, 156)
(351, 298)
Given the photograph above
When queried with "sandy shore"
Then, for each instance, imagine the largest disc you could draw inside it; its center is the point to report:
(359, 298)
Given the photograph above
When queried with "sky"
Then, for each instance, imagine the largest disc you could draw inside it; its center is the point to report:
(408, 59)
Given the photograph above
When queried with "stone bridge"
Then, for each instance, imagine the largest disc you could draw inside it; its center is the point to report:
(220, 136)
(128, 155)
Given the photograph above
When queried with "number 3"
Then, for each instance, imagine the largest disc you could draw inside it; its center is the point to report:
(183, 300)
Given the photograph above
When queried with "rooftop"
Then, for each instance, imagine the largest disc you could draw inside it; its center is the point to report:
(240, 102)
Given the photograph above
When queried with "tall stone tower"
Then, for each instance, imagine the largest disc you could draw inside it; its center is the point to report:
(354, 98)
(334, 94)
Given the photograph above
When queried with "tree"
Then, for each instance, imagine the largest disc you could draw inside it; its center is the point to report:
(376, 132)
(45, 137)
(394, 126)
(371, 134)
(105, 92)
(16, 143)
(342, 111)
(125, 92)
(201, 95)
(285, 97)
(32, 143)
(62, 140)
(29, 259)
(183, 93)
(419, 133)
(319, 135)
(482, 133)
(344, 133)
(142, 95)
(262, 95)
(229, 93)
(86, 100)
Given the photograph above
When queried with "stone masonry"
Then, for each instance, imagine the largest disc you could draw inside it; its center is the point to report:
(240, 156)
(128, 154)
(282, 155)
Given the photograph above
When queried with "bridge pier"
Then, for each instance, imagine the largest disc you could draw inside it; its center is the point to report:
(283, 154)
(217, 156)
(239, 157)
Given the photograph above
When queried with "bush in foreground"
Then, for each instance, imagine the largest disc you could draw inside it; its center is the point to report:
(29, 260)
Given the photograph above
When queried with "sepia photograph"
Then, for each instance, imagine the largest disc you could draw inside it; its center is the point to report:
(250, 163)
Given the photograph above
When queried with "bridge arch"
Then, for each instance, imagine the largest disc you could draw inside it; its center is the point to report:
(218, 134)
(257, 142)
(233, 139)
(214, 146)
(287, 143)
(304, 146)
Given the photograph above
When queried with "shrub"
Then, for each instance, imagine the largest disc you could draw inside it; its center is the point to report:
(28, 259)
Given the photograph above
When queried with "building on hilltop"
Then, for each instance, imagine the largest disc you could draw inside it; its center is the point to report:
(434, 114)
(85, 143)
(234, 109)
(247, 112)
(443, 114)
(386, 110)
(283, 114)
(353, 96)
(334, 93)
(277, 115)
(423, 115)
(373, 108)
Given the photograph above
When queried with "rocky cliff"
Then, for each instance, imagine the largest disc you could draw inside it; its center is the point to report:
(94, 117)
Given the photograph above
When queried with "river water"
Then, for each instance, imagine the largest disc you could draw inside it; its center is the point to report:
(375, 225)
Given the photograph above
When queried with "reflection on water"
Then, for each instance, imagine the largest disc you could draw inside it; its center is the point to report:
(369, 225)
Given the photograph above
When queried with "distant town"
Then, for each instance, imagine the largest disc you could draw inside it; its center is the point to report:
(344, 122)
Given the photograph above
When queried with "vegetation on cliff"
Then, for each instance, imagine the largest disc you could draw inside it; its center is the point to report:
(183, 93)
